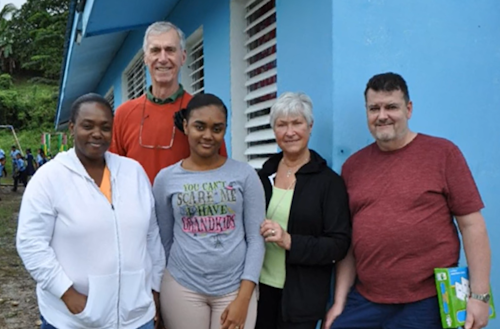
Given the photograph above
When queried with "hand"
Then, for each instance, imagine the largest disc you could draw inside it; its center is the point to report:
(332, 314)
(75, 302)
(273, 232)
(478, 314)
(159, 323)
(235, 314)
(158, 320)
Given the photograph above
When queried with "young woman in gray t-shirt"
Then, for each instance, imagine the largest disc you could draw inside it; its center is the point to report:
(209, 211)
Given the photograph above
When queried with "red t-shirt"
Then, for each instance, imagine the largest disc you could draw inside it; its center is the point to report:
(402, 206)
(157, 130)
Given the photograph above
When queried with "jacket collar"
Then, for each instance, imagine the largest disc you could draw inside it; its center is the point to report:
(71, 161)
(316, 164)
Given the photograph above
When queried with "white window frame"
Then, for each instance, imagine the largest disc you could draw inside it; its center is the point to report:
(110, 97)
(193, 71)
(253, 139)
(134, 73)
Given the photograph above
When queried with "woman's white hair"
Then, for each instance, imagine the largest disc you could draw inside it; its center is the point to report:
(292, 104)
(162, 27)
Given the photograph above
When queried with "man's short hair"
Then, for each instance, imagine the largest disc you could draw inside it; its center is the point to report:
(388, 82)
(163, 27)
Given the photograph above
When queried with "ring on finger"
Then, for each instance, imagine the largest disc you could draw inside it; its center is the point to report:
(273, 232)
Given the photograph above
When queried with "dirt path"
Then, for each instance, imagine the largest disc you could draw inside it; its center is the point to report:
(18, 307)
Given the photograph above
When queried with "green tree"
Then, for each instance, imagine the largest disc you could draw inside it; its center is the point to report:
(31, 50)
(39, 27)
(7, 61)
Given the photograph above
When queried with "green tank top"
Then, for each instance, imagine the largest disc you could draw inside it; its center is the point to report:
(273, 270)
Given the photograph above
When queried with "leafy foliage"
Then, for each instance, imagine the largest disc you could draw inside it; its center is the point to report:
(31, 54)
(7, 61)
(39, 28)
(27, 105)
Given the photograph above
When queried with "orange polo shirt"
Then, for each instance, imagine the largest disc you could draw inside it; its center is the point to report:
(157, 130)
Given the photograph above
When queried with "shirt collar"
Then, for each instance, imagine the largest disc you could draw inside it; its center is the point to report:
(167, 100)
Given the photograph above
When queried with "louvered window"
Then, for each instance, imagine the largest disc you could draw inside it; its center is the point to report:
(261, 79)
(193, 75)
(110, 97)
(135, 77)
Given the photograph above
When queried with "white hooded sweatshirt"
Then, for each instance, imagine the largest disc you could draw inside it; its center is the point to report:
(70, 234)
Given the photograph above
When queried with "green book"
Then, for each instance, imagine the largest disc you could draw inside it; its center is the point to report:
(453, 291)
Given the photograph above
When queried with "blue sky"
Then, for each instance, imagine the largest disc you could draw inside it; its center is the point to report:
(17, 3)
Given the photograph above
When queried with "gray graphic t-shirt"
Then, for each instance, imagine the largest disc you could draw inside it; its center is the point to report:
(210, 225)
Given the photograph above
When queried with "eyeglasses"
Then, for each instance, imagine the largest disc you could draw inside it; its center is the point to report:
(161, 147)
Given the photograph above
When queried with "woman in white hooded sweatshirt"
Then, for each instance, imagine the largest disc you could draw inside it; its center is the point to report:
(88, 232)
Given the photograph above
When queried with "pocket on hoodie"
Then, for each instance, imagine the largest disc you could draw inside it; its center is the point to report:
(136, 296)
(100, 310)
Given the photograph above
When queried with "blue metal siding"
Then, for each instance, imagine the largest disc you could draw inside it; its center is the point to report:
(304, 48)
(113, 75)
(448, 53)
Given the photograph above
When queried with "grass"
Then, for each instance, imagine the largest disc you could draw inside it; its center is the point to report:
(41, 101)
(27, 139)
(18, 307)
(16, 286)
(8, 207)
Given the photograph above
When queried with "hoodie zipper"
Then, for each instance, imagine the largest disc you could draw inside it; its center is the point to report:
(113, 194)
(73, 165)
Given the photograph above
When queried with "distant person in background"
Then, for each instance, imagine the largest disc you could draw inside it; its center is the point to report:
(41, 159)
(20, 173)
(13, 155)
(2, 163)
(30, 163)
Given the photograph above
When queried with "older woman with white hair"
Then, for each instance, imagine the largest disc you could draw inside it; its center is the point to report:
(307, 227)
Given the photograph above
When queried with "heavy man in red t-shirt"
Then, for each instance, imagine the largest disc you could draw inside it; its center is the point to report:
(404, 191)
(143, 128)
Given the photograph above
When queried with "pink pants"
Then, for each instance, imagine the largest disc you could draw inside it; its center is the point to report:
(182, 308)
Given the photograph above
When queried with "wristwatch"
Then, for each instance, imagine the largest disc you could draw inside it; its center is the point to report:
(482, 297)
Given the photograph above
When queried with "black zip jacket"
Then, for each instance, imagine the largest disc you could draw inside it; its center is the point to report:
(320, 229)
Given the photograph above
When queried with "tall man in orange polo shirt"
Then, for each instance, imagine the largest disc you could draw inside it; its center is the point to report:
(144, 127)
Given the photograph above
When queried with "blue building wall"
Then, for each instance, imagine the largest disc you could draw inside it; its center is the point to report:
(304, 48)
(449, 54)
(113, 76)
(214, 16)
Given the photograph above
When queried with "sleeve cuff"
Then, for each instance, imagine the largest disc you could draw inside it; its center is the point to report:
(156, 281)
(60, 285)
(250, 278)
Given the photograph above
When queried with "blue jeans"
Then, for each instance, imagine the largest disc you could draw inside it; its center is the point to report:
(360, 313)
(46, 325)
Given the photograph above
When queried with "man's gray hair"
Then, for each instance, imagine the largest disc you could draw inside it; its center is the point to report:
(162, 27)
(291, 104)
